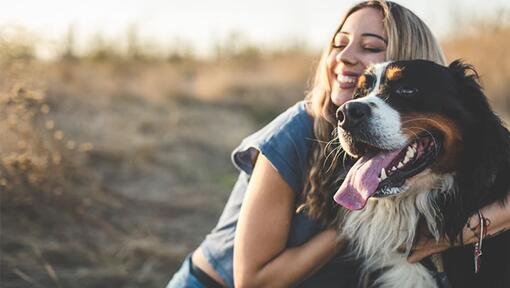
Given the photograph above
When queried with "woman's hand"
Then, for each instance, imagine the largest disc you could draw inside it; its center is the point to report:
(498, 217)
(426, 246)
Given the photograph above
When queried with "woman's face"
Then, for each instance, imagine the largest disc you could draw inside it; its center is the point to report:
(360, 43)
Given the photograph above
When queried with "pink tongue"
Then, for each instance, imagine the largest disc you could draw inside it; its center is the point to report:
(361, 181)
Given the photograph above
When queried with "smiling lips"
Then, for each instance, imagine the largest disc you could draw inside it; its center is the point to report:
(347, 80)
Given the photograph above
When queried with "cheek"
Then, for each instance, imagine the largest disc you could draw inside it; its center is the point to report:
(374, 59)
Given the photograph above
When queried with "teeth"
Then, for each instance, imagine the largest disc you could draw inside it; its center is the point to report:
(390, 191)
(394, 168)
(400, 165)
(414, 146)
(406, 159)
(383, 174)
(410, 152)
(346, 79)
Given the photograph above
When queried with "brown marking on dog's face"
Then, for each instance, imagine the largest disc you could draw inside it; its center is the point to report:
(362, 81)
(364, 84)
(415, 124)
(394, 73)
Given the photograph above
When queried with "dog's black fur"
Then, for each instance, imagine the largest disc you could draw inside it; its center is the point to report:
(482, 176)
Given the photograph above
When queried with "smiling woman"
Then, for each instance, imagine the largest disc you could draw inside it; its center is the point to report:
(360, 43)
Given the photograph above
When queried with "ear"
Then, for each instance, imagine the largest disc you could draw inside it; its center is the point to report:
(483, 173)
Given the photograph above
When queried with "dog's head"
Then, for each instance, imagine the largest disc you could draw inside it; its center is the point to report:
(413, 123)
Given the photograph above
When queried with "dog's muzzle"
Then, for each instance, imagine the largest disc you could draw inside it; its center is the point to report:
(352, 114)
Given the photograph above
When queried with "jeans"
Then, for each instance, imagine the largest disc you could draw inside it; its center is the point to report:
(183, 277)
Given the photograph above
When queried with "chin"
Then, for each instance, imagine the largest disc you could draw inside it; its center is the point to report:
(339, 97)
(430, 152)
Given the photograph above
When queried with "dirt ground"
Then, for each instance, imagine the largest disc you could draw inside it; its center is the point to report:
(149, 183)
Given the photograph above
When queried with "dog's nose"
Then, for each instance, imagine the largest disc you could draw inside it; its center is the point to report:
(352, 113)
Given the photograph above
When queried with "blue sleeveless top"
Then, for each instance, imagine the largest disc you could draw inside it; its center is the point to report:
(285, 142)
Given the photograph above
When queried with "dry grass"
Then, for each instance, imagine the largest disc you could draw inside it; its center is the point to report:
(105, 168)
(487, 49)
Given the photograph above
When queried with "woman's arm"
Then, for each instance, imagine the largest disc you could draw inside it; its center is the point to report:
(261, 258)
(499, 219)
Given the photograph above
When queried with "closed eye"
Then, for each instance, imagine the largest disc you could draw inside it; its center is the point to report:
(338, 46)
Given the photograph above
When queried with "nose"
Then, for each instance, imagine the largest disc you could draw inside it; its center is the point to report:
(350, 114)
(346, 55)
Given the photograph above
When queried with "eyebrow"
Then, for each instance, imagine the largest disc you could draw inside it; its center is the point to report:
(368, 34)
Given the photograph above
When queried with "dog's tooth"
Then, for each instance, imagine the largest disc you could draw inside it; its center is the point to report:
(393, 168)
(400, 165)
(415, 146)
(410, 152)
(383, 174)
(406, 159)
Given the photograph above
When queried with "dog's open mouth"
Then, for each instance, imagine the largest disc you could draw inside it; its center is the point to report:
(382, 173)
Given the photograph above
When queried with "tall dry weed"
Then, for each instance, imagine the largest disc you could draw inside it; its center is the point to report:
(37, 160)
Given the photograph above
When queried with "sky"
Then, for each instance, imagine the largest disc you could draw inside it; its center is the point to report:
(205, 23)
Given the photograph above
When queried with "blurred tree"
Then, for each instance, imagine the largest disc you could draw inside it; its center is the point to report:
(181, 50)
(69, 45)
(134, 51)
(102, 50)
(16, 43)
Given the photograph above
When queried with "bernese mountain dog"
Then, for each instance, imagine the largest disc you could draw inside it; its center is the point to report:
(430, 153)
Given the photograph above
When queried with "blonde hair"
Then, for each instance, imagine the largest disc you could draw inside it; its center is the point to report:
(408, 38)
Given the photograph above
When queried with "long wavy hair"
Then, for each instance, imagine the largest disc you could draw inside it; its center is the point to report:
(408, 38)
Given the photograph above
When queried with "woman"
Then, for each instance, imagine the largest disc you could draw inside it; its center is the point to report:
(278, 227)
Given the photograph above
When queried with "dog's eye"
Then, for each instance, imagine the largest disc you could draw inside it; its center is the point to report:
(406, 90)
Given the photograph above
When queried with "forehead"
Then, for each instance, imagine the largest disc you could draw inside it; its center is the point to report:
(390, 70)
(365, 20)
(423, 69)
(422, 74)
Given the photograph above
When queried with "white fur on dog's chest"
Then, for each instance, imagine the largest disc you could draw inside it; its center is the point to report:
(388, 225)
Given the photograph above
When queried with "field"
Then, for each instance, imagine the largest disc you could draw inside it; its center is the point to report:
(113, 167)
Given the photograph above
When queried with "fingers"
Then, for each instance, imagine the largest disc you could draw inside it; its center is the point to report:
(425, 248)
(416, 256)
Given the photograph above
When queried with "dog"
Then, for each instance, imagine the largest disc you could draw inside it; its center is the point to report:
(429, 151)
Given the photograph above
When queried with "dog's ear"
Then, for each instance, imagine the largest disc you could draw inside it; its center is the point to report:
(483, 174)
(465, 74)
